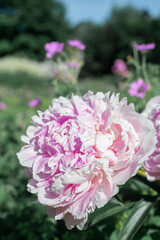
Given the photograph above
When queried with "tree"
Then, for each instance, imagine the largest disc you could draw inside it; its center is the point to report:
(114, 38)
(27, 25)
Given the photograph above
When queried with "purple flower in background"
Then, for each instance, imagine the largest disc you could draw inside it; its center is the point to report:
(2, 106)
(138, 88)
(35, 102)
(52, 48)
(76, 44)
(144, 47)
(119, 67)
(72, 64)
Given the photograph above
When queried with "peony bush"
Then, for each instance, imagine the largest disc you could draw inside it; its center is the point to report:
(91, 157)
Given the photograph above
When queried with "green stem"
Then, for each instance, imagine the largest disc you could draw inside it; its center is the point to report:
(121, 200)
(144, 68)
(137, 63)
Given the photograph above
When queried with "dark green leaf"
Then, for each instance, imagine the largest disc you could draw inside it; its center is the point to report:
(116, 201)
(135, 219)
(108, 210)
(155, 220)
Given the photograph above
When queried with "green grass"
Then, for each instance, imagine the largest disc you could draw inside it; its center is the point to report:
(17, 89)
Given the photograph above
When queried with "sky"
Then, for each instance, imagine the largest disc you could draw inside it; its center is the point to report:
(99, 10)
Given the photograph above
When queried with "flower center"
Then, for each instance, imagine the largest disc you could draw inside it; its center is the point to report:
(141, 89)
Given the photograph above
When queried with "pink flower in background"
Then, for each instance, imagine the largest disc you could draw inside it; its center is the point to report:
(79, 150)
(144, 47)
(35, 102)
(76, 44)
(119, 67)
(138, 88)
(73, 64)
(52, 48)
(3, 106)
(152, 165)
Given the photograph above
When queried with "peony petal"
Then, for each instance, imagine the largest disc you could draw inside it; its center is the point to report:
(27, 156)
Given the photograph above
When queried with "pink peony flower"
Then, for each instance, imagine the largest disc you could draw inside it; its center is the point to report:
(3, 106)
(138, 88)
(144, 47)
(79, 150)
(119, 67)
(76, 44)
(152, 165)
(52, 48)
(35, 102)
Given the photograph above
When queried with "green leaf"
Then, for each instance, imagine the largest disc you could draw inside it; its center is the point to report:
(114, 235)
(116, 201)
(147, 238)
(135, 219)
(108, 210)
(155, 220)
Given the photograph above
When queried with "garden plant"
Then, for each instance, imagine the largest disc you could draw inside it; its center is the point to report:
(92, 159)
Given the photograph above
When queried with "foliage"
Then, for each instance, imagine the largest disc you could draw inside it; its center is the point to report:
(110, 41)
(139, 69)
(25, 33)
(13, 64)
(67, 61)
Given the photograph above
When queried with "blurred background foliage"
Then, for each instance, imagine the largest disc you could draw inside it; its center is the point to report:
(25, 26)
